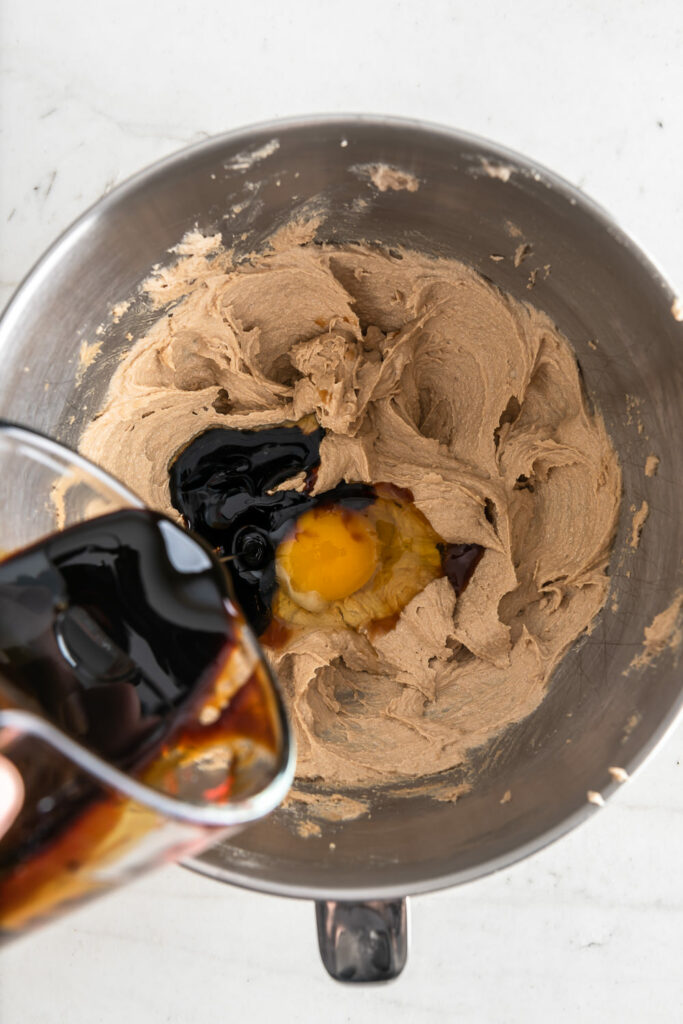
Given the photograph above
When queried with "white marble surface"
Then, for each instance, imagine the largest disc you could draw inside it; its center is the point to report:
(592, 928)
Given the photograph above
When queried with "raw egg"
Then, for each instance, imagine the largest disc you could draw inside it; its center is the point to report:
(355, 567)
(332, 553)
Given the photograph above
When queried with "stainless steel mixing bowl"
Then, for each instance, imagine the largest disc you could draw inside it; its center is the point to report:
(474, 200)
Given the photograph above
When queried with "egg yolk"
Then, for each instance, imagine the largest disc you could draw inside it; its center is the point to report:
(332, 554)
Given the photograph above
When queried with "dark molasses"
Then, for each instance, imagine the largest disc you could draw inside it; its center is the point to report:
(115, 631)
(224, 485)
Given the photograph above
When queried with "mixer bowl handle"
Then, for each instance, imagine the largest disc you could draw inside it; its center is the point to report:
(363, 941)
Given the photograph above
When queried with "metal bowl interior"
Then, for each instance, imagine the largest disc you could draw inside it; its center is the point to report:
(474, 200)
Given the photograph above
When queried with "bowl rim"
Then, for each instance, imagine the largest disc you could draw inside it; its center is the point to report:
(517, 162)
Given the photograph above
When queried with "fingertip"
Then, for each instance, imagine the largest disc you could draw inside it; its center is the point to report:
(11, 793)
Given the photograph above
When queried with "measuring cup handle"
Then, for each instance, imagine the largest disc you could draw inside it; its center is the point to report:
(363, 941)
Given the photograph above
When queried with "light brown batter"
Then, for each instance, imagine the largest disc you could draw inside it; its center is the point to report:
(425, 376)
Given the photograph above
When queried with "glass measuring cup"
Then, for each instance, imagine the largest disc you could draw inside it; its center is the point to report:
(134, 699)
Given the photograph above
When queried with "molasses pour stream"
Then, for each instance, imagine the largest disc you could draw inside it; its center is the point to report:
(134, 701)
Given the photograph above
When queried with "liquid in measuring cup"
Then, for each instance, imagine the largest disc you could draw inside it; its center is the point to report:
(121, 631)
